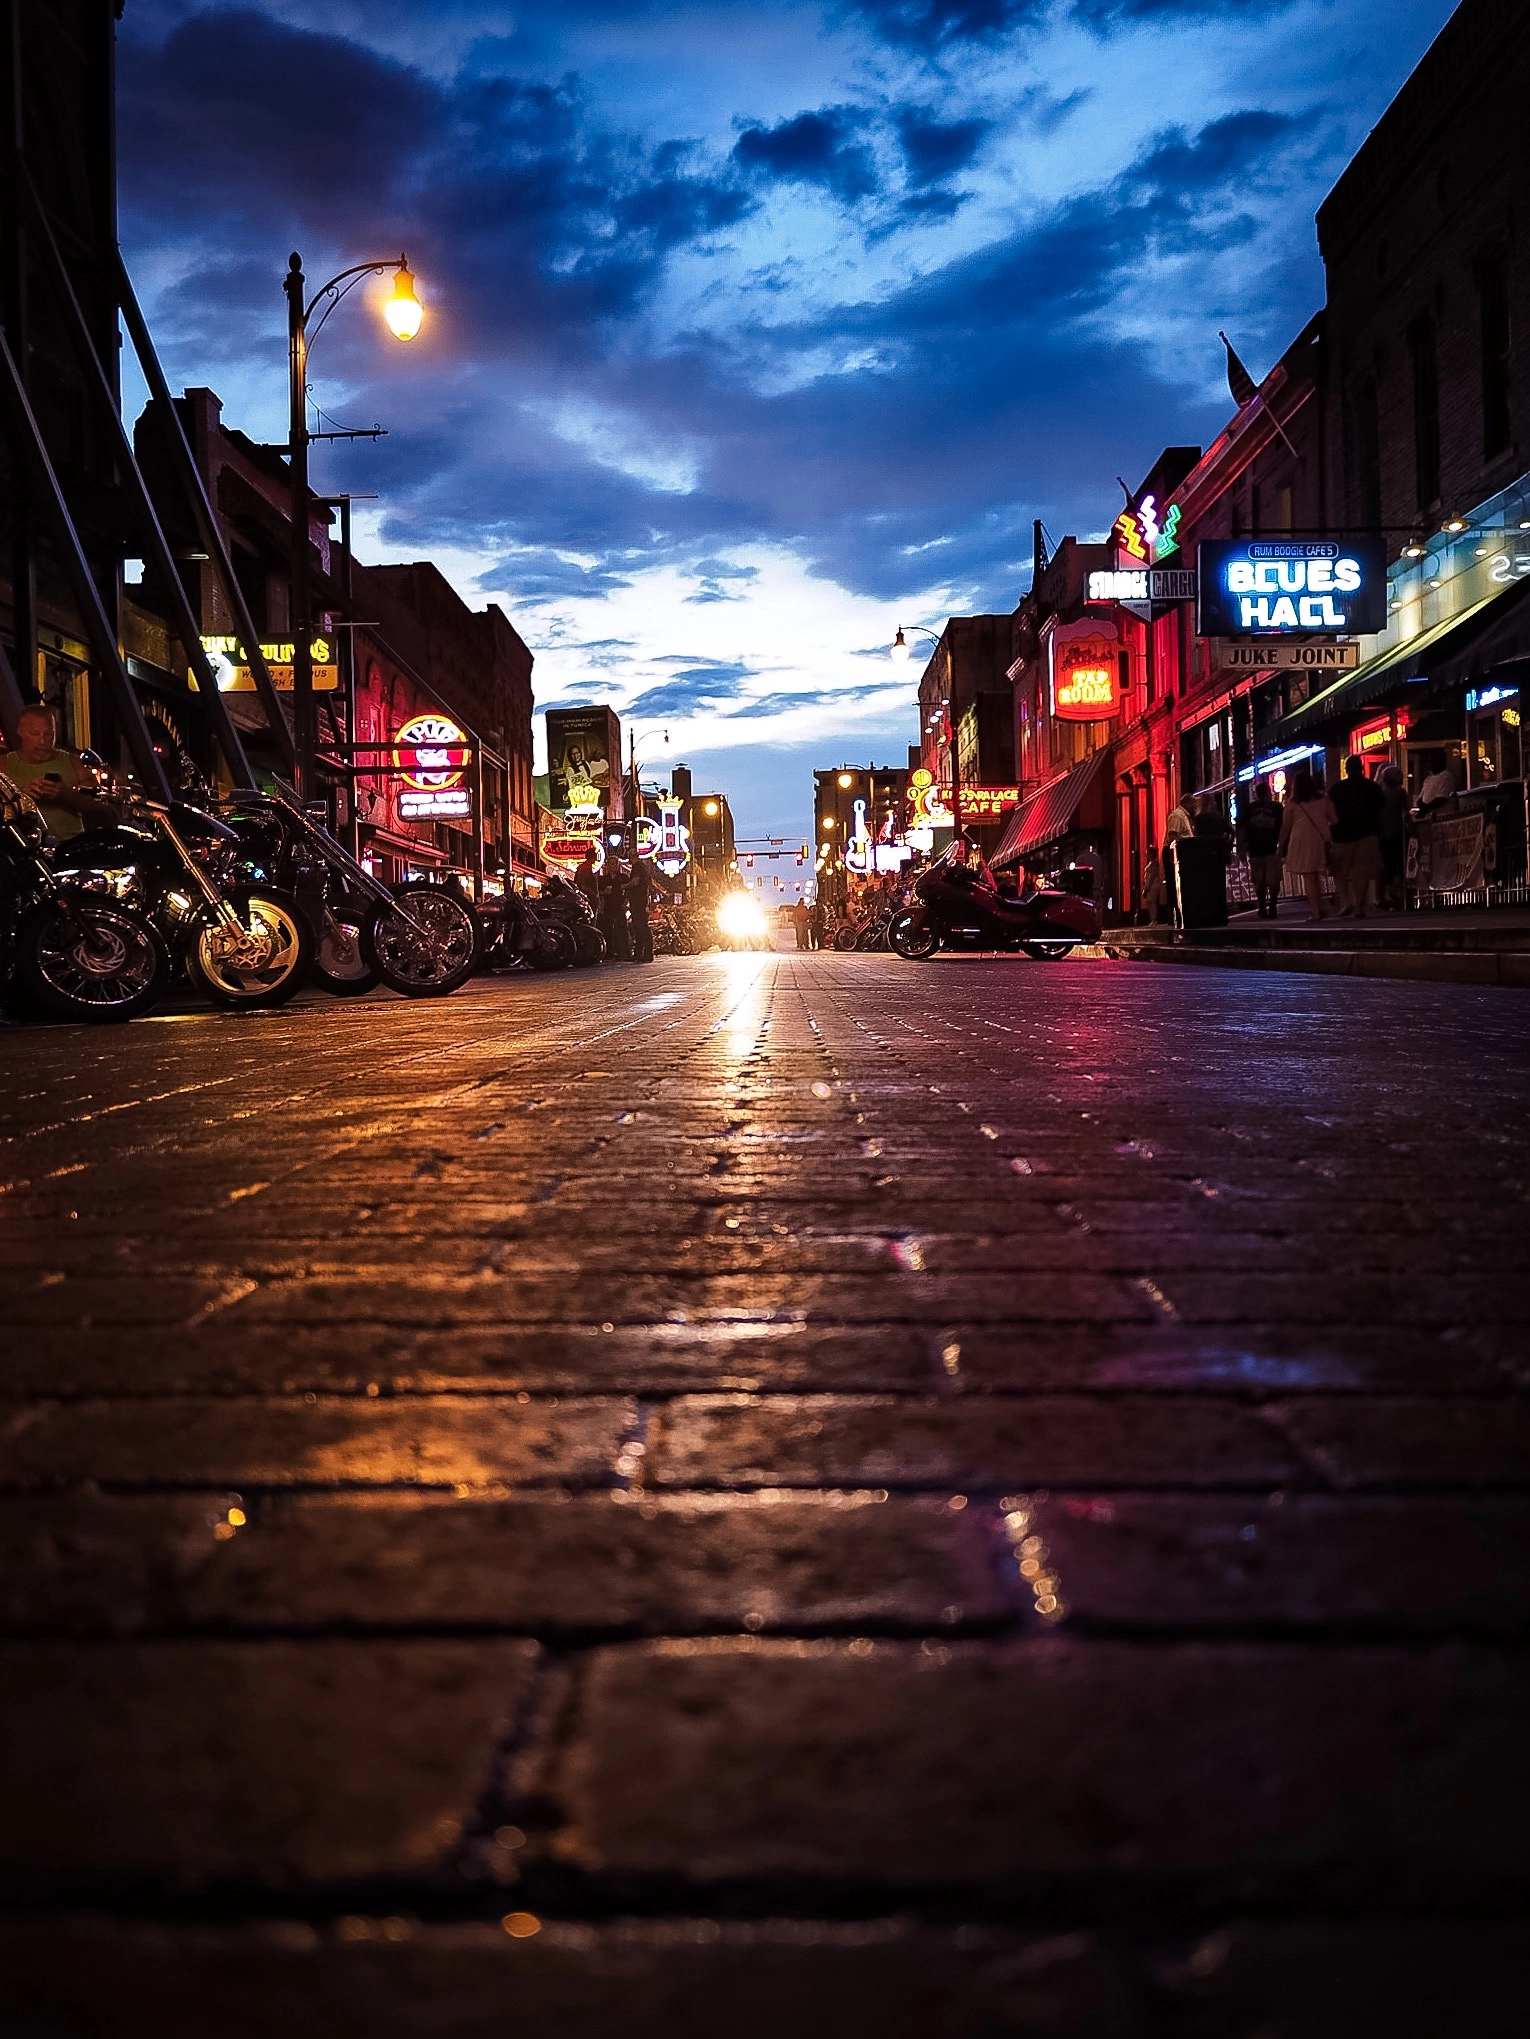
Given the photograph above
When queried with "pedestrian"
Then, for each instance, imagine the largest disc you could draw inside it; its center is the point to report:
(1178, 824)
(1394, 838)
(63, 788)
(1440, 784)
(800, 923)
(1260, 823)
(1306, 832)
(1152, 889)
(815, 925)
(587, 878)
(613, 911)
(1358, 805)
(639, 893)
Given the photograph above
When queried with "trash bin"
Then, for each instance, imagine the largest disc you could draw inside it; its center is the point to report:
(1200, 881)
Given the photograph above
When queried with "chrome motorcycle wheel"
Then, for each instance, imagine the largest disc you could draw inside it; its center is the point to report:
(258, 953)
(427, 946)
(339, 967)
(1043, 949)
(83, 960)
(913, 936)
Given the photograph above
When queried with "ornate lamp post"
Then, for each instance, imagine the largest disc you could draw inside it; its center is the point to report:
(404, 315)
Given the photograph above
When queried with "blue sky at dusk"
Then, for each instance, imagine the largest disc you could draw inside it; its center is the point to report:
(752, 331)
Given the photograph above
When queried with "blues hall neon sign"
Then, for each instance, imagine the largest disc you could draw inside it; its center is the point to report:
(1268, 587)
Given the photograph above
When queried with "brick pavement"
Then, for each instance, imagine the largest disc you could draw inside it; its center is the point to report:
(765, 1493)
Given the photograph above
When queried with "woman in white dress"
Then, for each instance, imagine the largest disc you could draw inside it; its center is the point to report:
(1306, 831)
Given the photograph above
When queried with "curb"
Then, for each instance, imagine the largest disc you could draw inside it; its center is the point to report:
(1506, 967)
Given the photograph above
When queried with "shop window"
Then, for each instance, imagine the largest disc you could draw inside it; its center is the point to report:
(1426, 412)
(1493, 313)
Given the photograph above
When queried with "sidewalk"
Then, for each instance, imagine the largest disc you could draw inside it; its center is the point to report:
(1488, 945)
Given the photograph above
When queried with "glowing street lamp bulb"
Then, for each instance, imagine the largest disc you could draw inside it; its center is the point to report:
(403, 310)
(710, 808)
(847, 778)
(900, 650)
(828, 824)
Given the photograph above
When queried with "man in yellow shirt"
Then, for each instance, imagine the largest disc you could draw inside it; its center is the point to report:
(65, 792)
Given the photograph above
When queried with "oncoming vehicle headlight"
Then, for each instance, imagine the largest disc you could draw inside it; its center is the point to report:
(739, 918)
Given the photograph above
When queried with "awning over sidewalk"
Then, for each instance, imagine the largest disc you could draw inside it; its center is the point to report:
(1452, 654)
(1049, 814)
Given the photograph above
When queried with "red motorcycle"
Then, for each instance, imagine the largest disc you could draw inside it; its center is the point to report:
(957, 905)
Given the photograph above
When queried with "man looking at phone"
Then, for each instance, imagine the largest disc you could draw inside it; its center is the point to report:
(64, 790)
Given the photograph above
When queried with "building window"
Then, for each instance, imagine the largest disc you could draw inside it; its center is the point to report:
(1365, 452)
(1493, 309)
(1426, 412)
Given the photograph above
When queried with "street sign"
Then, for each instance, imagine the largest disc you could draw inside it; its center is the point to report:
(1269, 654)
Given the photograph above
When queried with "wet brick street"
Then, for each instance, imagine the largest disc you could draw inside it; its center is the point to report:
(771, 1495)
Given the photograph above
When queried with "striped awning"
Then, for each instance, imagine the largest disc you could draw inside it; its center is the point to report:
(1457, 652)
(1048, 815)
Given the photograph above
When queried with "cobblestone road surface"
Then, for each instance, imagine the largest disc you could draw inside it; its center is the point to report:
(771, 1494)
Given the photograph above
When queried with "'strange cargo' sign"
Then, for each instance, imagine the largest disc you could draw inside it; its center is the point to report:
(1265, 587)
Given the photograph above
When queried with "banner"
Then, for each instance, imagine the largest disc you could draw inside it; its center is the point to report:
(584, 760)
(1455, 853)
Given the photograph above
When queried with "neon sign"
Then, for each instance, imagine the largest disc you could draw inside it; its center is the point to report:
(1088, 693)
(671, 850)
(858, 848)
(986, 803)
(1086, 671)
(1248, 586)
(1145, 536)
(431, 755)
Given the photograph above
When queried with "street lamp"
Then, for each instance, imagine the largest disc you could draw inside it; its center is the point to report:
(901, 651)
(403, 315)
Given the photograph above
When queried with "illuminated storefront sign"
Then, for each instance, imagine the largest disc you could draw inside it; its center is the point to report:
(1086, 670)
(858, 845)
(1250, 656)
(672, 847)
(1379, 734)
(926, 810)
(1141, 533)
(431, 755)
(233, 678)
(986, 803)
(1253, 586)
(579, 833)
(1143, 584)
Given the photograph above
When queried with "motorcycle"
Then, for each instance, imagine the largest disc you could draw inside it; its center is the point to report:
(242, 945)
(66, 950)
(420, 938)
(562, 906)
(956, 905)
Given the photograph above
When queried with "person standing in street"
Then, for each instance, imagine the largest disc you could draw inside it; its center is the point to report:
(815, 925)
(1178, 824)
(639, 892)
(587, 878)
(1306, 833)
(1152, 889)
(1391, 893)
(613, 911)
(1260, 825)
(1358, 805)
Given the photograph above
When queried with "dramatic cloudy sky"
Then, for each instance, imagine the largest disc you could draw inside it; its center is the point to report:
(753, 330)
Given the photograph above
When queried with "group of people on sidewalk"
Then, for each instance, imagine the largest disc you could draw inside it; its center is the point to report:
(619, 893)
(1356, 835)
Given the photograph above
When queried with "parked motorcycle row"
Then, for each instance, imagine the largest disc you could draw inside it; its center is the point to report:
(243, 906)
(957, 904)
(245, 901)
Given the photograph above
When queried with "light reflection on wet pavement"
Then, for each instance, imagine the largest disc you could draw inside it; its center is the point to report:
(980, 1499)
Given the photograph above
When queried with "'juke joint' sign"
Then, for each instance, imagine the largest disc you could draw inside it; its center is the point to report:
(1253, 587)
